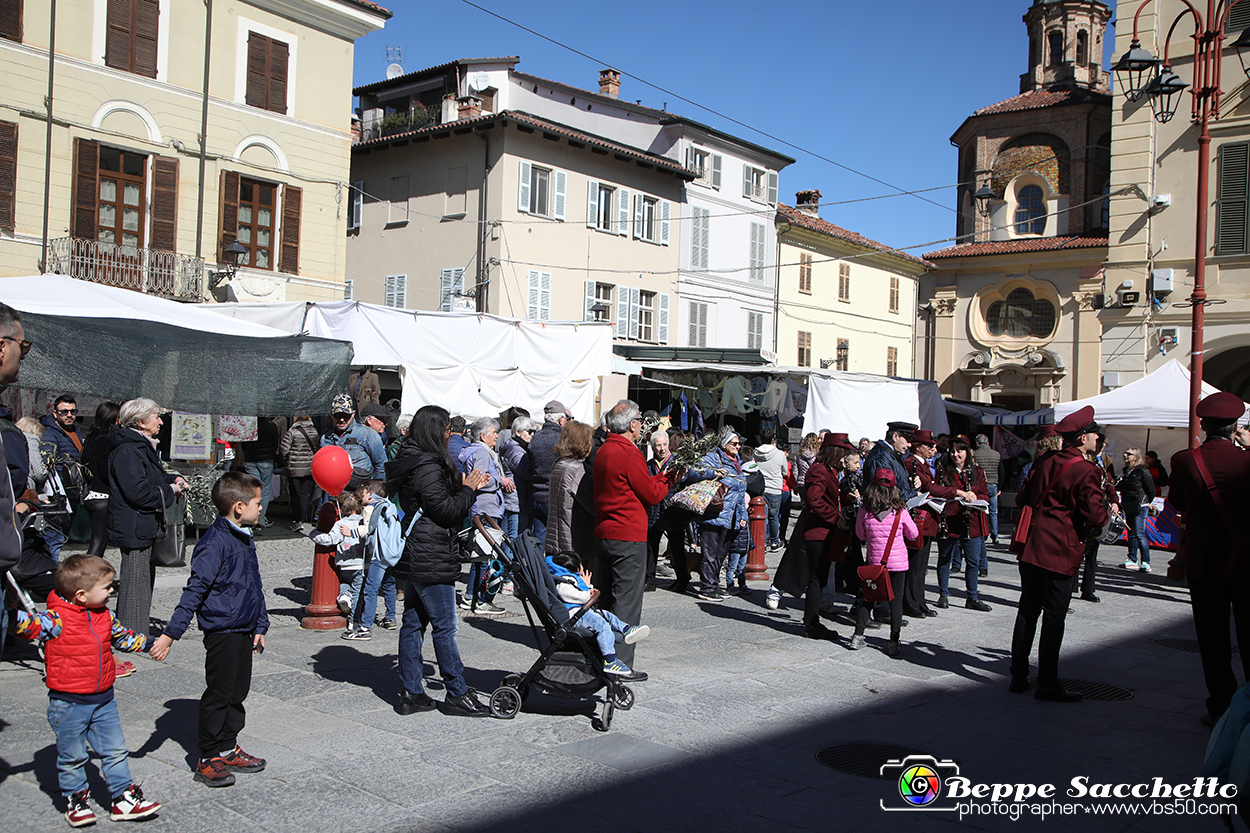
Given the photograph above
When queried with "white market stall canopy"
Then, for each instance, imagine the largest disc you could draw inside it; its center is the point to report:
(469, 363)
(862, 403)
(1142, 412)
(101, 340)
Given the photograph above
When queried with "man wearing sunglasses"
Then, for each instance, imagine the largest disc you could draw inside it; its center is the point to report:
(60, 439)
(362, 444)
(13, 348)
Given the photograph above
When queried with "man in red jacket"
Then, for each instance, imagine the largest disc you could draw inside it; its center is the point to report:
(623, 490)
(1065, 493)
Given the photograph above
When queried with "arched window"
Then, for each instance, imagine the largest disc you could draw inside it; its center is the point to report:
(1082, 47)
(1056, 48)
(1030, 210)
(1021, 316)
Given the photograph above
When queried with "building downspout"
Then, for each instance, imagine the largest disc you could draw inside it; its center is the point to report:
(47, 153)
(777, 294)
(483, 281)
(199, 206)
(916, 302)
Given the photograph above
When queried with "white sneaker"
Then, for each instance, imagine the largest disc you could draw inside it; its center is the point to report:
(773, 601)
(345, 605)
(1130, 565)
(636, 633)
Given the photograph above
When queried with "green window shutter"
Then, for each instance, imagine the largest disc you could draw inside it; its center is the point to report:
(1233, 194)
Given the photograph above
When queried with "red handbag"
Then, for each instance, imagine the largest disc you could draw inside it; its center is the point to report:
(874, 579)
(1020, 536)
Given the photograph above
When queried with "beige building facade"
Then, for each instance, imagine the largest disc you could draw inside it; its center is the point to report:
(1150, 259)
(844, 302)
(127, 204)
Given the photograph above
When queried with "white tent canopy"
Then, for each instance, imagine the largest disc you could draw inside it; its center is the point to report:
(1150, 413)
(862, 403)
(470, 363)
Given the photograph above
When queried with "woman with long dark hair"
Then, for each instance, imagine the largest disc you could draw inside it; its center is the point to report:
(427, 481)
(95, 456)
(963, 528)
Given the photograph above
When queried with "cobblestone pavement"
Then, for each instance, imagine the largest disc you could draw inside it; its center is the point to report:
(724, 736)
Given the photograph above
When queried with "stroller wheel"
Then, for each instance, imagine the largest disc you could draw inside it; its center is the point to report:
(505, 702)
(514, 681)
(624, 697)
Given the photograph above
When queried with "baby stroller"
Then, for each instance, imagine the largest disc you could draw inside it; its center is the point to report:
(570, 665)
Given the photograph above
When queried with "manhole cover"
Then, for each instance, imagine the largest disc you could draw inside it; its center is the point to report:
(1190, 645)
(1094, 691)
(862, 759)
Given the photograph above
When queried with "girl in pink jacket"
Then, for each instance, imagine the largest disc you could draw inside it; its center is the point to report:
(882, 511)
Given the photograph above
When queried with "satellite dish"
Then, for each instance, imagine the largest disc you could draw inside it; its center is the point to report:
(480, 81)
(394, 71)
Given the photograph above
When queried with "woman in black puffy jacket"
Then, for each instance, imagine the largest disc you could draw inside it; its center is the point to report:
(1137, 489)
(427, 481)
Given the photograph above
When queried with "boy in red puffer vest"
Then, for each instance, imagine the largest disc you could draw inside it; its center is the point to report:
(80, 630)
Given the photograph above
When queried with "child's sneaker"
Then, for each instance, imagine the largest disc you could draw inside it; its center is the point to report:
(131, 805)
(78, 814)
(386, 624)
(236, 760)
(489, 608)
(345, 605)
(212, 772)
(636, 633)
(125, 669)
(465, 603)
(358, 633)
(773, 600)
(616, 667)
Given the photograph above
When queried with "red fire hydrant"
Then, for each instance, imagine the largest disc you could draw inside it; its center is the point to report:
(323, 613)
(758, 513)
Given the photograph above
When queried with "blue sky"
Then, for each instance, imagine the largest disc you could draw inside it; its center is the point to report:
(878, 87)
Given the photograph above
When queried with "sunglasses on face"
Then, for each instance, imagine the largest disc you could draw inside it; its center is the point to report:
(64, 412)
(22, 345)
(342, 417)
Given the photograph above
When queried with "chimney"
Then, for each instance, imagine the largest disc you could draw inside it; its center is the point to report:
(610, 83)
(808, 202)
(469, 106)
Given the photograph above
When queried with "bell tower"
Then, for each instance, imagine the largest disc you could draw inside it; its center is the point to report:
(1065, 45)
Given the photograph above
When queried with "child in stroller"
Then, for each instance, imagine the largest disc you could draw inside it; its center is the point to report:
(573, 587)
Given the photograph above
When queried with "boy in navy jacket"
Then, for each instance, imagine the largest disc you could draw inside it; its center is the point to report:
(225, 593)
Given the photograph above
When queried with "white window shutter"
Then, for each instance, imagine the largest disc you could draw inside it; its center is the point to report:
(703, 325)
(772, 187)
(622, 312)
(592, 204)
(690, 158)
(562, 187)
(661, 328)
(717, 162)
(544, 295)
(635, 301)
(746, 181)
(704, 241)
(622, 211)
(348, 289)
(587, 313)
(638, 201)
(666, 212)
(446, 289)
(533, 294)
(357, 202)
(523, 192)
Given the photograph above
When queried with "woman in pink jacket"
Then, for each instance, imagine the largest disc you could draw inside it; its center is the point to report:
(882, 524)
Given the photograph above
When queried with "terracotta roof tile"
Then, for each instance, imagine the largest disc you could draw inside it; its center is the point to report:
(804, 220)
(1031, 244)
(1038, 99)
(373, 7)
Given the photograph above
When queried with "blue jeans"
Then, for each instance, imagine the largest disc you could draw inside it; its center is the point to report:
(606, 626)
(994, 511)
(77, 723)
(735, 567)
(948, 550)
(55, 539)
(538, 521)
(262, 471)
(432, 605)
(380, 581)
(1137, 538)
(773, 528)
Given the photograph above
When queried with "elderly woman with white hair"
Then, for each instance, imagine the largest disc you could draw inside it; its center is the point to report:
(716, 532)
(139, 491)
(489, 502)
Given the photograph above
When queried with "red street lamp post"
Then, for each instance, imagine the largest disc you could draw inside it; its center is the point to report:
(1140, 73)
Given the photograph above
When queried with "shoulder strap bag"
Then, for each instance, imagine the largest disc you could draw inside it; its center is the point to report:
(1218, 499)
(1024, 521)
(874, 579)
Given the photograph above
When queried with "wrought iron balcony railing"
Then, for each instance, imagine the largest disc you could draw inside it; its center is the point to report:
(167, 274)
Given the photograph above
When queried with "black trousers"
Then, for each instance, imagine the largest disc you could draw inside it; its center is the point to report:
(228, 676)
(303, 498)
(898, 580)
(714, 541)
(625, 564)
(1047, 594)
(1090, 563)
(98, 510)
(817, 577)
(653, 549)
(913, 587)
(1212, 603)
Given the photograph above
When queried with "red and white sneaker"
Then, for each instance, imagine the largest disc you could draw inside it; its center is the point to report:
(236, 760)
(78, 814)
(131, 805)
(125, 669)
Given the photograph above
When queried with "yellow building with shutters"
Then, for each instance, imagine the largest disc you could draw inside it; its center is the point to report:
(129, 195)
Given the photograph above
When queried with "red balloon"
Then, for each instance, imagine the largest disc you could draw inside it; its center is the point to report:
(332, 469)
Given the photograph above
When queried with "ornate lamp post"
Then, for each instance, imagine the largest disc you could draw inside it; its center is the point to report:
(1140, 73)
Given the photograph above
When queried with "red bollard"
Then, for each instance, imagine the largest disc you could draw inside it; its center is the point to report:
(323, 613)
(758, 513)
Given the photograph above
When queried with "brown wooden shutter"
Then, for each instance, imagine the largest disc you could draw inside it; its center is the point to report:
(279, 57)
(257, 69)
(117, 37)
(147, 13)
(292, 200)
(164, 235)
(86, 171)
(228, 216)
(11, 20)
(8, 175)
